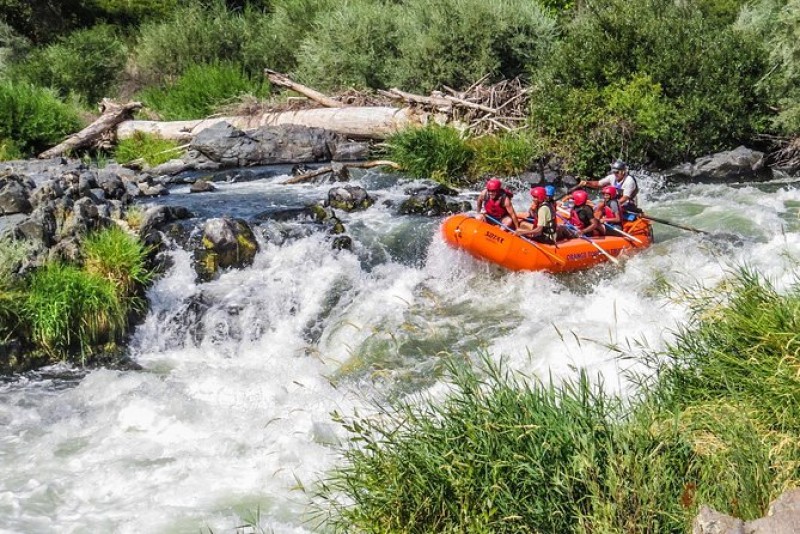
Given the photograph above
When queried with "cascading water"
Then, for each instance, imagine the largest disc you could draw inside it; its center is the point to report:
(230, 416)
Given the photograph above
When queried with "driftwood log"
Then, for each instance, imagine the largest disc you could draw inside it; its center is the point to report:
(308, 176)
(283, 81)
(352, 122)
(111, 114)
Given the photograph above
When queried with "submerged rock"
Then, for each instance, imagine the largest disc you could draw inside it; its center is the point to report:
(225, 243)
(739, 164)
(349, 198)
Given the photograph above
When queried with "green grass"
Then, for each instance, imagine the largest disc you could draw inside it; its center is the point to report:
(507, 154)
(201, 89)
(67, 310)
(34, 118)
(715, 423)
(152, 149)
(117, 256)
(437, 152)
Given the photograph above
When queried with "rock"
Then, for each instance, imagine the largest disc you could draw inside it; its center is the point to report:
(342, 242)
(231, 147)
(171, 168)
(111, 183)
(734, 165)
(202, 186)
(156, 190)
(14, 195)
(349, 198)
(226, 243)
(155, 218)
(40, 226)
(783, 517)
(67, 250)
(346, 150)
(432, 202)
(46, 191)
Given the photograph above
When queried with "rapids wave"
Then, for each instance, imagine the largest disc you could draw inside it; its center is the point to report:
(231, 415)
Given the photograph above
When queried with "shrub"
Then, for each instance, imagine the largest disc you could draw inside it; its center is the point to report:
(706, 70)
(66, 308)
(118, 257)
(436, 152)
(289, 24)
(506, 154)
(588, 126)
(9, 150)
(12, 253)
(33, 117)
(152, 149)
(86, 63)
(353, 45)
(203, 33)
(456, 42)
(201, 89)
(12, 46)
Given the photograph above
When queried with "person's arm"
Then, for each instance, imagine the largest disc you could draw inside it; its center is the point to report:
(512, 213)
(480, 202)
(595, 184)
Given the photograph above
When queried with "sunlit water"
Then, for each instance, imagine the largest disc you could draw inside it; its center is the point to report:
(229, 422)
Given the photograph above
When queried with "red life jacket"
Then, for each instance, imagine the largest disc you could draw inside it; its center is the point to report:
(609, 211)
(581, 217)
(496, 206)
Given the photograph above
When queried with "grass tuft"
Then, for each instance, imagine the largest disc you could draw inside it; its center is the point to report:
(152, 149)
(436, 152)
(118, 257)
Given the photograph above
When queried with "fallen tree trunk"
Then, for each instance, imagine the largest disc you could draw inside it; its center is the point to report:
(111, 115)
(354, 123)
(279, 79)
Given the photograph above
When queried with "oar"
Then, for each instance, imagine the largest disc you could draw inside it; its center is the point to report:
(676, 225)
(611, 258)
(619, 231)
(536, 246)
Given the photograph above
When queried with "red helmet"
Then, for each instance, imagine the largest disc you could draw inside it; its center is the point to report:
(494, 184)
(610, 190)
(580, 197)
(539, 194)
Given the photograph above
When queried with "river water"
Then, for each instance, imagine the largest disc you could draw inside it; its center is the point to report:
(229, 423)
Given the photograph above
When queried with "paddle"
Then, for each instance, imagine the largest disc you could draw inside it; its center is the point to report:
(535, 245)
(619, 231)
(569, 225)
(676, 225)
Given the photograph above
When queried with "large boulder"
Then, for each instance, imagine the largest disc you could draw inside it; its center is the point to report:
(783, 517)
(225, 243)
(432, 202)
(740, 164)
(266, 145)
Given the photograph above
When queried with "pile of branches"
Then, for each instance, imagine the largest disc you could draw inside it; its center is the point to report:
(481, 109)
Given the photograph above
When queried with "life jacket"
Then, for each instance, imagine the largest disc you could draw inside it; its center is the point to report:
(549, 231)
(581, 217)
(632, 198)
(611, 210)
(495, 206)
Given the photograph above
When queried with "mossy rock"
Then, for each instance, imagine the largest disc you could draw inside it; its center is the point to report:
(225, 243)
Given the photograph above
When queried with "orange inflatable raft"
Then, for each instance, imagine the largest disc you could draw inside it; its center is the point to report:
(494, 244)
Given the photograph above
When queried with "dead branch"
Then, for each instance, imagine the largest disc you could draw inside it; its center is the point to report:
(111, 114)
(283, 81)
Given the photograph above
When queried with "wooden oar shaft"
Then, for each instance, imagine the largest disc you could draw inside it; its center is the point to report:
(629, 236)
(676, 225)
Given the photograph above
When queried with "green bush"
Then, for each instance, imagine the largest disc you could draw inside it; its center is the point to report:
(12, 253)
(203, 33)
(34, 118)
(506, 154)
(289, 24)
(118, 257)
(716, 422)
(86, 63)
(201, 89)
(67, 309)
(437, 152)
(706, 70)
(9, 150)
(150, 148)
(12, 46)
(456, 42)
(353, 45)
(629, 119)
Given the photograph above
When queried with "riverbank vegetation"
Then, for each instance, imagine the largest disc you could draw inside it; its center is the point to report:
(716, 423)
(67, 311)
(656, 82)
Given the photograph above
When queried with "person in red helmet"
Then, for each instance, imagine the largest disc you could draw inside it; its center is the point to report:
(540, 221)
(494, 205)
(581, 221)
(609, 212)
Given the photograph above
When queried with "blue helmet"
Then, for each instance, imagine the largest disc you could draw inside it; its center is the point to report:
(550, 190)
